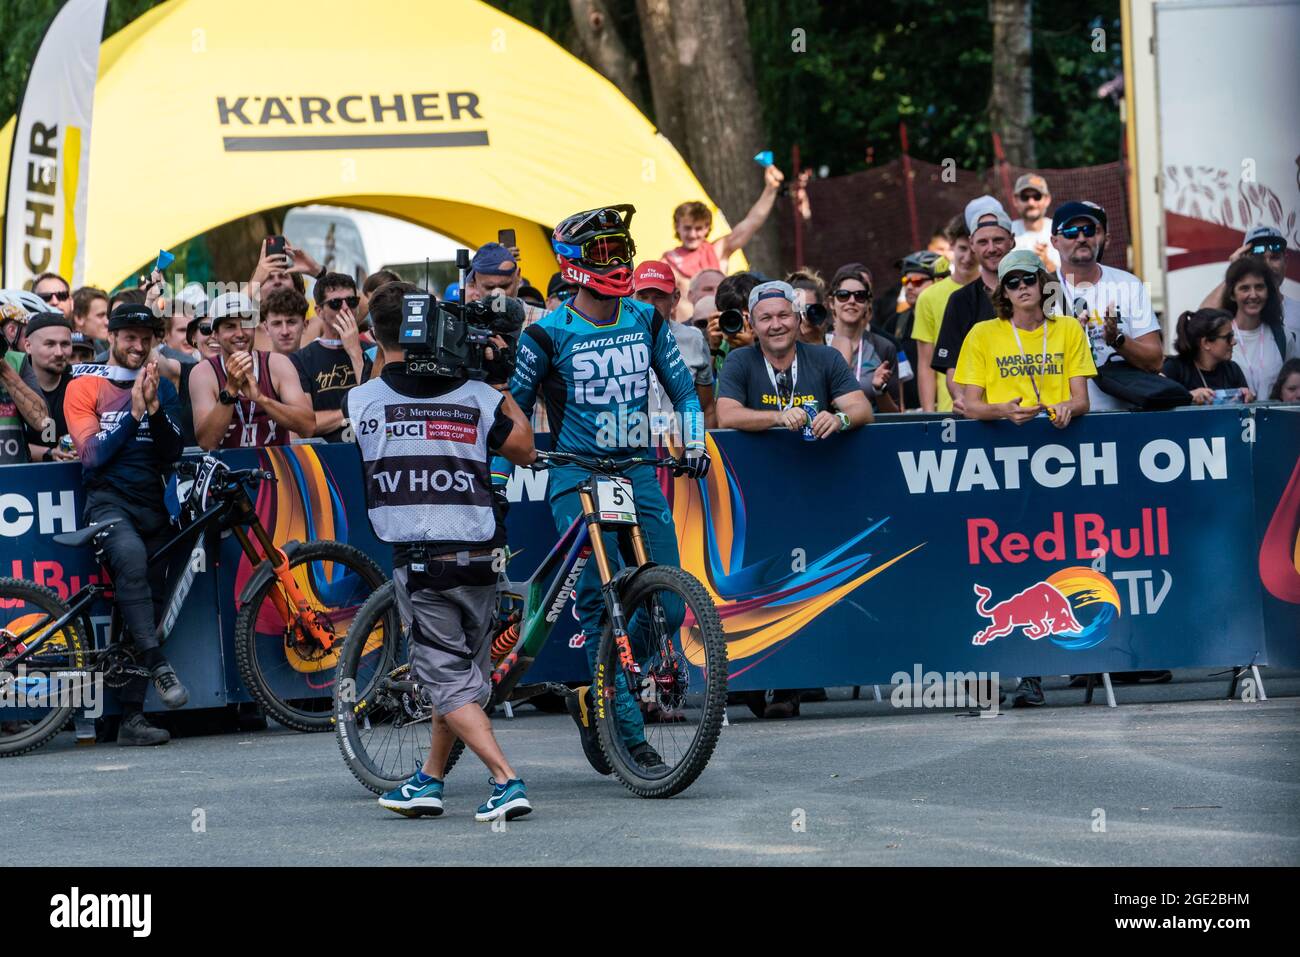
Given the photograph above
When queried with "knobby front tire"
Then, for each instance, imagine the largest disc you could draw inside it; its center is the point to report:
(685, 736)
(294, 685)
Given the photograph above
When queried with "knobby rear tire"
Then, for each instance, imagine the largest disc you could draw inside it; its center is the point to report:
(51, 724)
(359, 761)
(282, 710)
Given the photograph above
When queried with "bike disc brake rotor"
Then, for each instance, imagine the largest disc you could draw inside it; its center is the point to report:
(301, 642)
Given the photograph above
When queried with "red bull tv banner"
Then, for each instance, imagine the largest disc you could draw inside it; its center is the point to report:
(1125, 542)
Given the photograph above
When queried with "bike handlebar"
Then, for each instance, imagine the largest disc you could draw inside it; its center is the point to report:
(225, 473)
(603, 464)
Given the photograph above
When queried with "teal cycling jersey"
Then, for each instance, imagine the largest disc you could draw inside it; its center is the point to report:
(594, 379)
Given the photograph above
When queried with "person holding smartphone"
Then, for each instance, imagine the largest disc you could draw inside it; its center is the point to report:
(334, 363)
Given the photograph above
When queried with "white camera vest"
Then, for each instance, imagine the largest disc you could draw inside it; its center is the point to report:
(425, 461)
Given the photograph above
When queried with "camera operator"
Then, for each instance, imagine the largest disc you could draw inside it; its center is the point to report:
(443, 541)
(810, 305)
(729, 328)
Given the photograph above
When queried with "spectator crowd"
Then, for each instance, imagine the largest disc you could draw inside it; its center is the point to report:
(996, 319)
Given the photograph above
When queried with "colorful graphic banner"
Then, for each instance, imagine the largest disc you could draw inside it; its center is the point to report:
(1127, 542)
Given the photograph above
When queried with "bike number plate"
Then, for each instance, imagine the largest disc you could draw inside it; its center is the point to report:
(614, 502)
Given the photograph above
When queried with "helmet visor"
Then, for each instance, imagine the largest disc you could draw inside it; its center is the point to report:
(606, 249)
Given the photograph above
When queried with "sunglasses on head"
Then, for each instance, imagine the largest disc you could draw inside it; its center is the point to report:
(1082, 229)
(1016, 279)
(857, 295)
(59, 296)
(1261, 246)
(337, 303)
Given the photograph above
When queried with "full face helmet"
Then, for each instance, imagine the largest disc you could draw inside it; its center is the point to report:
(595, 250)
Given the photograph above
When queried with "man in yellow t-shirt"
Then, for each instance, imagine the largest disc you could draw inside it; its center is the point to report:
(929, 315)
(1018, 374)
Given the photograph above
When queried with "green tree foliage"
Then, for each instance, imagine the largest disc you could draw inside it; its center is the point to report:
(23, 23)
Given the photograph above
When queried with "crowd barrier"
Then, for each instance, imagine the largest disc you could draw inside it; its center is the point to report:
(1125, 542)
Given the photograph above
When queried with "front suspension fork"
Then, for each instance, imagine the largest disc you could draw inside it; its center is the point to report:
(296, 611)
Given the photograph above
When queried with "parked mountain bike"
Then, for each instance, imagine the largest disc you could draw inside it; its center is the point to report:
(661, 631)
(293, 613)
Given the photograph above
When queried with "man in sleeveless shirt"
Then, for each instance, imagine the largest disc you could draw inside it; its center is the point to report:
(243, 399)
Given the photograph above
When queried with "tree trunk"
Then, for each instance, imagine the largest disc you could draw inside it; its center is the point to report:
(1011, 104)
(656, 17)
(721, 113)
(605, 49)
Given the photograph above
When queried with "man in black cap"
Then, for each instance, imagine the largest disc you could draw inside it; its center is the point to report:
(124, 418)
(83, 348)
(47, 370)
(558, 291)
(1111, 304)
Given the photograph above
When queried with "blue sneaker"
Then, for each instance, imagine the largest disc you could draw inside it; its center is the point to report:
(418, 796)
(509, 800)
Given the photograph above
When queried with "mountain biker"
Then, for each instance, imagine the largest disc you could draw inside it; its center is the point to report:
(125, 422)
(590, 359)
(425, 442)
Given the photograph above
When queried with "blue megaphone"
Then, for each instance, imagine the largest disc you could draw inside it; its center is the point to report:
(165, 259)
(763, 159)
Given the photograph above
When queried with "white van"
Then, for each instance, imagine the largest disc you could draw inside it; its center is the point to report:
(358, 242)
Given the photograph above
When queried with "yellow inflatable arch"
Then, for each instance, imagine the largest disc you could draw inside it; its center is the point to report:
(447, 113)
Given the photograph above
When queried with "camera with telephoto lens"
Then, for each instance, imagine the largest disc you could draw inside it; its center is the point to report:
(816, 314)
(450, 340)
(731, 322)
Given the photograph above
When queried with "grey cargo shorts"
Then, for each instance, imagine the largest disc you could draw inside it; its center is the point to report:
(447, 611)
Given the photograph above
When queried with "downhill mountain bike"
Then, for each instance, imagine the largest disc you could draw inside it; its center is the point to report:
(294, 610)
(660, 634)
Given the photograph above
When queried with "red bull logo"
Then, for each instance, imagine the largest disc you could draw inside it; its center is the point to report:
(1074, 607)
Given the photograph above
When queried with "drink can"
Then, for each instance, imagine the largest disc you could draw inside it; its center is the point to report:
(65, 444)
(811, 409)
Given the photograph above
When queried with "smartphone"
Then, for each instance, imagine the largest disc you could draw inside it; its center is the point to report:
(506, 237)
(275, 247)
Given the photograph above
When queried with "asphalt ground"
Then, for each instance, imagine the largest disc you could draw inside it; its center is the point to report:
(1174, 776)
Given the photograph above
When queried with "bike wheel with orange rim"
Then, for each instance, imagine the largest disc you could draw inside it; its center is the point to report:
(289, 662)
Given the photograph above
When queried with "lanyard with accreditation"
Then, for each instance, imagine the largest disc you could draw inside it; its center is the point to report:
(786, 405)
(1033, 382)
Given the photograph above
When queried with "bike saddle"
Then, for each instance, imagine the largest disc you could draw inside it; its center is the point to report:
(82, 536)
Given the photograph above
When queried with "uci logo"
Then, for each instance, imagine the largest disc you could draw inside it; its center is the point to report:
(404, 430)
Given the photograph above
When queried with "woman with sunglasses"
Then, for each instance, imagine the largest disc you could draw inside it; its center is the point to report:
(872, 358)
(1263, 343)
(1204, 363)
(1025, 363)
